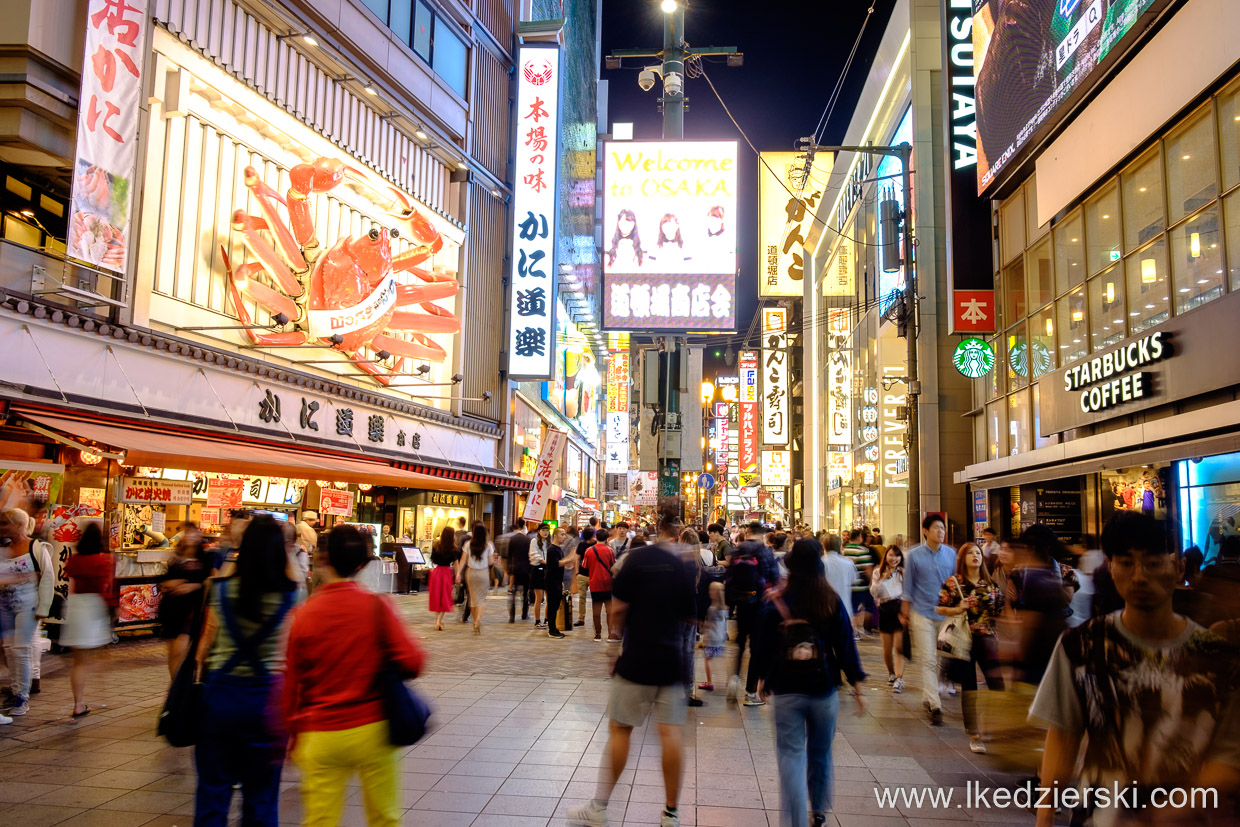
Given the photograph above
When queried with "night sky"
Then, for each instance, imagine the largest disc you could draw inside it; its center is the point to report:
(794, 53)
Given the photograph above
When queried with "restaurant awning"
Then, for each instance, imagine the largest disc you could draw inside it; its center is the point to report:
(145, 446)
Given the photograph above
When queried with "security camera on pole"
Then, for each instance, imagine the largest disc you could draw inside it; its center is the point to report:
(673, 104)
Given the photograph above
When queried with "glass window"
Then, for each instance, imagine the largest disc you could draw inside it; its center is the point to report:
(400, 20)
(1041, 279)
(450, 57)
(1231, 209)
(1031, 211)
(996, 384)
(1143, 201)
(1017, 361)
(1018, 422)
(1148, 303)
(1069, 254)
(422, 30)
(1197, 260)
(1106, 304)
(1040, 441)
(996, 429)
(1014, 292)
(1192, 178)
(379, 7)
(1073, 327)
(1229, 134)
(1102, 228)
(1012, 227)
(1042, 343)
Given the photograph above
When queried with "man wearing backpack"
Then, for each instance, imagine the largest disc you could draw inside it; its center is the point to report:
(744, 585)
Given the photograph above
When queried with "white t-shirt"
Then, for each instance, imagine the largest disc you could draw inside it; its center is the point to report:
(483, 562)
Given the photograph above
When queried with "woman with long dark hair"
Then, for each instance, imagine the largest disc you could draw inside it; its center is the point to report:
(475, 571)
(181, 595)
(887, 588)
(439, 584)
(625, 252)
(88, 613)
(970, 591)
(243, 738)
(804, 640)
(540, 548)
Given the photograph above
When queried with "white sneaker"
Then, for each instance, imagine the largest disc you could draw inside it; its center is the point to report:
(754, 699)
(589, 814)
(669, 819)
(898, 686)
(5, 719)
(976, 745)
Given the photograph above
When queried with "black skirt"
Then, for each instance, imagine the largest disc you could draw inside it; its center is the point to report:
(889, 616)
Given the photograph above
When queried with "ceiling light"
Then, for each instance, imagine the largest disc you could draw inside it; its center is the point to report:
(310, 41)
(1075, 240)
(462, 165)
(1050, 327)
(420, 135)
(1140, 189)
(1149, 307)
(1194, 245)
(1106, 216)
(28, 213)
(1185, 157)
(370, 88)
(1184, 290)
(1205, 281)
(1149, 270)
(1110, 292)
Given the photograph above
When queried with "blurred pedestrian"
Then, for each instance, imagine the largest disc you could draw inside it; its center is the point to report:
(926, 568)
(27, 586)
(971, 592)
(91, 606)
(804, 640)
(337, 644)
(1040, 600)
(864, 560)
(653, 598)
(181, 595)
(714, 632)
(744, 586)
(589, 536)
(887, 587)
(243, 738)
(474, 571)
(442, 576)
(841, 572)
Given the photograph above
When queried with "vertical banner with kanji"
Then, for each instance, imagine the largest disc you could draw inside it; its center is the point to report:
(747, 460)
(107, 133)
(775, 375)
(531, 328)
(788, 193)
(544, 476)
(839, 379)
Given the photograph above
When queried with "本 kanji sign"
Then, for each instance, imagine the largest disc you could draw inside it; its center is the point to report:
(774, 370)
(788, 195)
(531, 333)
(107, 132)
(973, 311)
(544, 476)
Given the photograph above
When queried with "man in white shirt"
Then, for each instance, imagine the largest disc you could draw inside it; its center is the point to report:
(841, 572)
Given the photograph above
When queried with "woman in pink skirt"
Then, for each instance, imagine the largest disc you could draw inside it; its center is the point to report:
(443, 555)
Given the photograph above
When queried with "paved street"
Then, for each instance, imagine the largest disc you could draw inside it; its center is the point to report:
(519, 734)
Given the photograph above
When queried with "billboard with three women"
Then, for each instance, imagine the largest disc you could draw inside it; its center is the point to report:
(669, 235)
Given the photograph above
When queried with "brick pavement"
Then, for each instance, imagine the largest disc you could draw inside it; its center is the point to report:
(518, 736)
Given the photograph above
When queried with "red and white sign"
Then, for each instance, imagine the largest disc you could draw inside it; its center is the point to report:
(748, 459)
(163, 492)
(107, 132)
(325, 323)
(540, 494)
(973, 311)
(225, 493)
(336, 502)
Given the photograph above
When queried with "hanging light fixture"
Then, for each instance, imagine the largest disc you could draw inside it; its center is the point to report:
(274, 480)
(364, 486)
(1194, 245)
(341, 484)
(1149, 271)
(299, 483)
(323, 483)
(90, 457)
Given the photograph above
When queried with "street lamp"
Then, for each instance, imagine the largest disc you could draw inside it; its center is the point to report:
(668, 6)
(708, 391)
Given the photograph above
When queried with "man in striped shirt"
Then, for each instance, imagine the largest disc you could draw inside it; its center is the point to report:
(862, 601)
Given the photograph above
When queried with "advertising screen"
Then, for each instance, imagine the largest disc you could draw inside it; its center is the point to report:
(669, 235)
(1029, 56)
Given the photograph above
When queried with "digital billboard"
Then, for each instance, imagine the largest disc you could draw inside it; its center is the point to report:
(1029, 57)
(669, 235)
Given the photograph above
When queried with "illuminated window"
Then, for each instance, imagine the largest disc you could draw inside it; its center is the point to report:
(1148, 302)
(1197, 260)
(1069, 253)
(1073, 324)
(1102, 228)
(1143, 200)
(1192, 176)
(1106, 305)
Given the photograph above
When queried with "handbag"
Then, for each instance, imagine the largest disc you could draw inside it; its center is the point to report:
(955, 638)
(458, 593)
(181, 717)
(407, 714)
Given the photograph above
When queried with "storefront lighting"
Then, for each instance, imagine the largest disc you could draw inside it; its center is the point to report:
(90, 457)
(341, 485)
(1149, 271)
(420, 135)
(708, 391)
(1050, 328)
(1110, 292)
(369, 88)
(462, 165)
(309, 41)
(299, 483)
(364, 486)
(1194, 245)
(668, 6)
(1078, 315)
(323, 483)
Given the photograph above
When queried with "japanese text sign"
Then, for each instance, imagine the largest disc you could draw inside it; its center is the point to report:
(747, 458)
(164, 492)
(531, 339)
(223, 493)
(544, 476)
(839, 380)
(336, 502)
(776, 468)
(669, 235)
(618, 382)
(617, 442)
(774, 372)
(788, 196)
(107, 132)
(973, 311)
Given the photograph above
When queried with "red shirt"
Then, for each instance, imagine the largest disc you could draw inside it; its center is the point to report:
(337, 641)
(93, 574)
(599, 560)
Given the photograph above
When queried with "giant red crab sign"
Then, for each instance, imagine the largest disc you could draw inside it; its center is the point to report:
(348, 296)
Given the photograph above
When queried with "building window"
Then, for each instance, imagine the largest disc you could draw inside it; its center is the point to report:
(1041, 279)
(996, 429)
(379, 7)
(1106, 304)
(1143, 201)
(1040, 441)
(1012, 226)
(1042, 352)
(1069, 253)
(1229, 134)
(1231, 209)
(1014, 291)
(1018, 422)
(1031, 211)
(1192, 175)
(1148, 302)
(1017, 357)
(431, 39)
(400, 20)
(1102, 229)
(450, 58)
(1073, 327)
(1197, 260)
(422, 21)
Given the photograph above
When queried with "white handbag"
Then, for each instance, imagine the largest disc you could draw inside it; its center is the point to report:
(955, 638)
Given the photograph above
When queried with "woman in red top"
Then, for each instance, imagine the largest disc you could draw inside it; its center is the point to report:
(337, 643)
(88, 613)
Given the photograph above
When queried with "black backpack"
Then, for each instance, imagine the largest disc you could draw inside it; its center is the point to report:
(742, 583)
(802, 653)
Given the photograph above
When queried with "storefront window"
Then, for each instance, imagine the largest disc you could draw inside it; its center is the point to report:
(1231, 209)
(1106, 304)
(996, 380)
(1018, 422)
(1197, 260)
(1041, 280)
(1229, 134)
(1042, 353)
(422, 31)
(1073, 327)
(1148, 303)
(1102, 228)
(1069, 254)
(1143, 201)
(1017, 356)
(1014, 292)
(1192, 178)
(1209, 501)
(996, 429)
(1012, 226)
(1040, 441)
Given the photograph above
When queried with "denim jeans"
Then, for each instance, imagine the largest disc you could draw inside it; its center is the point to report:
(804, 728)
(18, 630)
(243, 740)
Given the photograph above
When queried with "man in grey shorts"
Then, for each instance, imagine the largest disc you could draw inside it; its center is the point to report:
(652, 599)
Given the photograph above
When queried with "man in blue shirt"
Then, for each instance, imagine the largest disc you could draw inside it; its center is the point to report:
(926, 567)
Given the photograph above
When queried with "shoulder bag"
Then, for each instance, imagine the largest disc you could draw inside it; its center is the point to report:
(955, 639)
(181, 716)
(406, 712)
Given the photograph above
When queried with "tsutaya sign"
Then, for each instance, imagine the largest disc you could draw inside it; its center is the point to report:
(531, 333)
(1115, 377)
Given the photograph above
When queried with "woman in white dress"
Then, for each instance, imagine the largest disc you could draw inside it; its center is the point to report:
(88, 614)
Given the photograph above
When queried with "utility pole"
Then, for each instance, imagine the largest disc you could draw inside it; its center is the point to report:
(905, 153)
(673, 104)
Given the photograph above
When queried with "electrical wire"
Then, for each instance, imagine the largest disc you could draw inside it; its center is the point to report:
(839, 84)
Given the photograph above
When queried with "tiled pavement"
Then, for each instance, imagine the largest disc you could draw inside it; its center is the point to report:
(519, 733)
